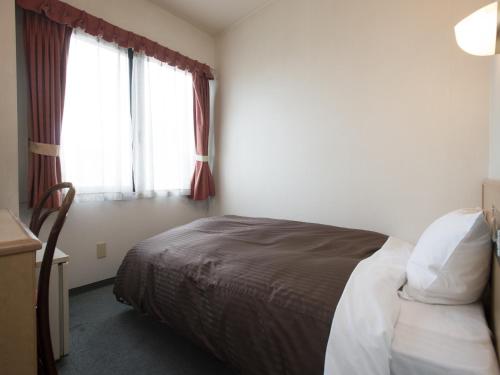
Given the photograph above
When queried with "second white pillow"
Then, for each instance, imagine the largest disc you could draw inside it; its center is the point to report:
(451, 262)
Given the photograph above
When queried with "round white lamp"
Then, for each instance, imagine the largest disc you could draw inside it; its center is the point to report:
(478, 34)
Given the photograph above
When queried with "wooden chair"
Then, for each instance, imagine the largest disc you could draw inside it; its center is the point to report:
(46, 363)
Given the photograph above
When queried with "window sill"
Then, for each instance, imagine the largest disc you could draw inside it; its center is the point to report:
(106, 197)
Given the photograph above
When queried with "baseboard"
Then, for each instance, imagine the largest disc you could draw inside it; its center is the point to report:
(89, 287)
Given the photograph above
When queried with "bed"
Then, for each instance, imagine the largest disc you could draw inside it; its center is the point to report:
(270, 296)
(260, 294)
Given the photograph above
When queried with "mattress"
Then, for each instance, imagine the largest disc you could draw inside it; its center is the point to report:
(260, 294)
(442, 340)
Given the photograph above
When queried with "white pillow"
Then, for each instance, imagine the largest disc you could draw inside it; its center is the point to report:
(451, 263)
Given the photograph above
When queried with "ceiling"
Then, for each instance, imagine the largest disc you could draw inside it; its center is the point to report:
(212, 16)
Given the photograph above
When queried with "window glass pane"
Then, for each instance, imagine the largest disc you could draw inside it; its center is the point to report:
(96, 139)
(162, 116)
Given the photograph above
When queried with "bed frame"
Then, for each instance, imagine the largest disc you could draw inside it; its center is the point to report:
(491, 199)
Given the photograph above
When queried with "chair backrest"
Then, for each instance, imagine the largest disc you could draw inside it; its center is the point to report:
(38, 218)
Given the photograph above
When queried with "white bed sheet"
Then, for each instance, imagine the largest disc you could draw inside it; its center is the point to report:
(442, 340)
(375, 332)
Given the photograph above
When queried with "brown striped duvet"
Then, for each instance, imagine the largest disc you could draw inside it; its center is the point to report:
(259, 294)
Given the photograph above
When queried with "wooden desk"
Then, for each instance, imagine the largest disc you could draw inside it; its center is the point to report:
(17, 297)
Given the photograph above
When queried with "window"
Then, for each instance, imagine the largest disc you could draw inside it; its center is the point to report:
(96, 136)
(128, 123)
(162, 117)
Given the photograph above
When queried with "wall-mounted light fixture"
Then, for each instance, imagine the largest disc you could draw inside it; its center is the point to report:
(478, 34)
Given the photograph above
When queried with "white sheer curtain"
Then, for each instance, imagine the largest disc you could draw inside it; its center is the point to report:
(96, 139)
(163, 128)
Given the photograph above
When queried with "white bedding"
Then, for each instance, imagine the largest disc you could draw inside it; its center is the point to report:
(442, 340)
(375, 332)
(363, 324)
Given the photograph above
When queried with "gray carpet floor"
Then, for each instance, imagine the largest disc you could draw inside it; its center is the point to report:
(108, 337)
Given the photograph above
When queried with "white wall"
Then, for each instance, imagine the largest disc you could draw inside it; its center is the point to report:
(122, 224)
(358, 113)
(8, 113)
(23, 117)
(495, 121)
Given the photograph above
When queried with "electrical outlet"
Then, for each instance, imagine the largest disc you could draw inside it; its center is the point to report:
(101, 250)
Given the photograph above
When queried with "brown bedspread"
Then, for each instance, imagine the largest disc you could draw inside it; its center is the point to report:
(260, 294)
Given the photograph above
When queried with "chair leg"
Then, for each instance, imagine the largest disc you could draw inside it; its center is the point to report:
(47, 365)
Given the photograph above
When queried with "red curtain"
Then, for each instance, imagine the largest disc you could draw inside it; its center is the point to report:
(65, 14)
(202, 184)
(47, 45)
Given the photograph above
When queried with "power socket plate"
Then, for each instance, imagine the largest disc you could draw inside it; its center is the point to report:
(101, 250)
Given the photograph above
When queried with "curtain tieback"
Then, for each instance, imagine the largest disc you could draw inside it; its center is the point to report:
(202, 158)
(44, 149)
